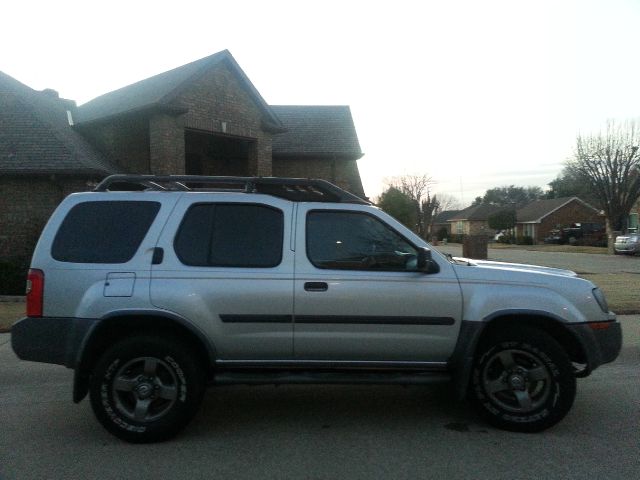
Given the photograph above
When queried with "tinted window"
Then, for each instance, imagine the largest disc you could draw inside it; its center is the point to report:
(356, 241)
(237, 235)
(103, 232)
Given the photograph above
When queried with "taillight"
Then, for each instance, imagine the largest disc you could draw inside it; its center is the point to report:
(35, 292)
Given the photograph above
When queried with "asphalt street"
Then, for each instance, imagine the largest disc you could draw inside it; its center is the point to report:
(322, 432)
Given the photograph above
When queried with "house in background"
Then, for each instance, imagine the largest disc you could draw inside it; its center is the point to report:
(633, 218)
(537, 219)
(205, 117)
(441, 223)
(474, 220)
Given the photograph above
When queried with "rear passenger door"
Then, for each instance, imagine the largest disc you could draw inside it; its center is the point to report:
(228, 268)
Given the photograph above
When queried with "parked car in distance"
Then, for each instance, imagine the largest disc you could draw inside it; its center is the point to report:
(592, 234)
(627, 244)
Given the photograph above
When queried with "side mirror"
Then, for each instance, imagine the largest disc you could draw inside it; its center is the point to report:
(425, 262)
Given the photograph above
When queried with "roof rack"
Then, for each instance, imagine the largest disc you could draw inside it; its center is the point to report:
(294, 189)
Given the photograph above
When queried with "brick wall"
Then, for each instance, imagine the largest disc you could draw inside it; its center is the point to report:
(343, 173)
(218, 103)
(124, 140)
(166, 145)
(26, 205)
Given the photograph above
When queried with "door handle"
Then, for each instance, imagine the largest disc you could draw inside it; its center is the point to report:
(316, 286)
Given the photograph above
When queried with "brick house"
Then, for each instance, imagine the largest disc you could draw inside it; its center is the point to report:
(441, 221)
(537, 219)
(473, 220)
(205, 117)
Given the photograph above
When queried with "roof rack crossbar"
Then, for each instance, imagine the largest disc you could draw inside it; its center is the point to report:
(294, 189)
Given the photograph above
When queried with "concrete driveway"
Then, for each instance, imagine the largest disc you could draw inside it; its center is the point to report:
(322, 432)
(582, 263)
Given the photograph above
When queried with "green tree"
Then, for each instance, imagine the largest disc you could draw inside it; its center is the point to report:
(400, 206)
(512, 196)
(611, 164)
(571, 183)
(502, 220)
(417, 188)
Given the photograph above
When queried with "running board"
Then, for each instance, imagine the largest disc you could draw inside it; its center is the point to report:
(323, 377)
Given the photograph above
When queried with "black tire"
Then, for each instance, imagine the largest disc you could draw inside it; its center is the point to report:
(146, 388)
(523, 380)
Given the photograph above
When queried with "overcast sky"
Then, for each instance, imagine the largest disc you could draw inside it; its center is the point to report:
(475, 94)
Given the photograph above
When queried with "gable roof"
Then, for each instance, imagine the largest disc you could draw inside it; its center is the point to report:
(476, 213)
(35, 135)
(443, 217)
(536, 211)
(160, 90)
(315, 130)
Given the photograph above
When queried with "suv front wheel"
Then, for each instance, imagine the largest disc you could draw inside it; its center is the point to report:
(523, 380)
(146, 388)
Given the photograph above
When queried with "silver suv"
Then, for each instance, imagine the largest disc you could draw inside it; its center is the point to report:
(151, 288)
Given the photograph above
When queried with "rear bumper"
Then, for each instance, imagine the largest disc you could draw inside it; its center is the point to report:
(601, 341)
(50, 339)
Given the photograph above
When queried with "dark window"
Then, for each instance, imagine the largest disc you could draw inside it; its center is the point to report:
(230, 235)
(356, 241)
(103, 232)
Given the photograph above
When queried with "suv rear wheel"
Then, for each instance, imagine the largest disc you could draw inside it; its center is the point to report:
(146, 388)
(523, 380)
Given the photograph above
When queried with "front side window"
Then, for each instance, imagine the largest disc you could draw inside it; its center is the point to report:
(230, 235)
(356, 241)
(103, 232)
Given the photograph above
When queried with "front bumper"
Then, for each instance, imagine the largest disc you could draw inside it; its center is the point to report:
(601, 341)
(50, 339)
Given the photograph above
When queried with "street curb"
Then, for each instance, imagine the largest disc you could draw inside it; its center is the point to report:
(12, 298)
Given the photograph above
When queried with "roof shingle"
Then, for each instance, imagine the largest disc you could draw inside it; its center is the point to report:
(316, 130)
(536, 211)
(160, 90)
(35, 135)
(480, 212)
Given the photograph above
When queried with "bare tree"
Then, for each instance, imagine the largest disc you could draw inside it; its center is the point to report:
(611, 163)
(440, 202)
(418, 188)
(448, 202)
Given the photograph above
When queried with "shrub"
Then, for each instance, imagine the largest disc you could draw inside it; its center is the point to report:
(456, 238)
(13, 276)
(525, 240)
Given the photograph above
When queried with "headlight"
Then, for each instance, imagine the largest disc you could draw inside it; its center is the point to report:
(600, 298)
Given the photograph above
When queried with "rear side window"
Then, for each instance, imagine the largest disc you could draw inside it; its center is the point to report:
(231, 235)
(103, 232)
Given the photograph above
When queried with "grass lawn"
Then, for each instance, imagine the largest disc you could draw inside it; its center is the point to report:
(551, 248)
(618, 287)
